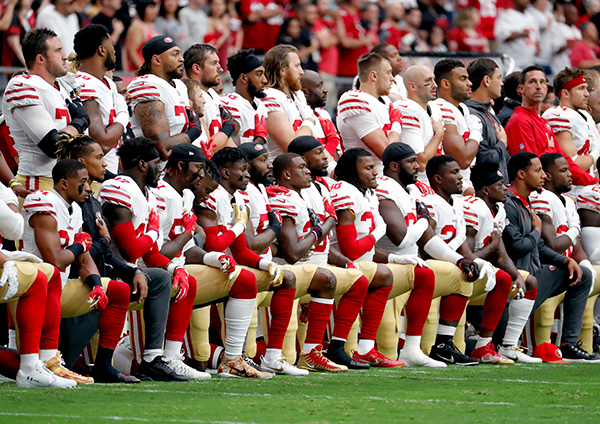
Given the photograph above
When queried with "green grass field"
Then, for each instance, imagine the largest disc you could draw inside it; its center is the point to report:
(487, 394)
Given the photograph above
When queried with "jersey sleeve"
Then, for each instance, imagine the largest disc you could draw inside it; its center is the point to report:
(38, 202)
(447, 114)
(142, 90)
(210, 203)
(272, 103)
(342, 198)
(589, 198)
(353, 106)
(109, 193)
(471, 213)
(412, 130)
(558, 122)
(285, 206)
(539, 205)
(383, 191)
(19, 93)
(88, 91)
(228, 102)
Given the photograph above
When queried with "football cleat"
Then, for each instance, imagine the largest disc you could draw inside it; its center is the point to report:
(487, 354)
(337, 354)
(239, 368)
(574, 353)
(178, 367)
(416, 358)
(279, 366)
(316, 361)
(159, 370)
(449, 354)
(518, 355)
(57, 366)
(254, 365)
(376, 359)
(43, 377)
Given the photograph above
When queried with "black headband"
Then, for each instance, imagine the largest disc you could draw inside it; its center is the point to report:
(249, 64)
(395, 152)
(157, 45)
(149, 154)
(303, 144)
(485, 175)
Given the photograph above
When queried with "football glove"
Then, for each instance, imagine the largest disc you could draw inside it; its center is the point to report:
(188, 222)
(407, 260)
(85, 240)
(260, 126)
(10, 277)
(470, 269)
(194, 124)
(98, 299)
(181, 282)
(486, 270)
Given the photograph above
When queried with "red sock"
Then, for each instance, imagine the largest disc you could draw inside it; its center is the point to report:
(349, 307)
(452, 307)
(113, 317)
(419, 302)
(180, 313)
(281, 312)
(244, 286)
(531, 294)
(372, 311)
(495, 301)
(9, 363)
(51, 327)
(31, 308)
(11, 323)
(318, 317)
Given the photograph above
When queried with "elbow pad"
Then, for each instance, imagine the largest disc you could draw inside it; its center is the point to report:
(49, 142)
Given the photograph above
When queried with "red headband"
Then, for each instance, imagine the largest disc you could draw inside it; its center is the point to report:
(578, 80)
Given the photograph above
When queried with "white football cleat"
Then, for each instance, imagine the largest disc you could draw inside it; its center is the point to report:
(43, 377)
(178, 367)
(279, 366)
(518, 355)
(416, 358)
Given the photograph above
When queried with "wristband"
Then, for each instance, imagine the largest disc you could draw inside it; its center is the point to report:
(238, 229)
(13, 183)
(396, 127)
(76, 249)
(193, 133)
(572, 233)
(264, 264)
(123, 118)
(153, 234)
(171, 268)
(93, 280)
(309, 124)
(227, 128)
(594, 156)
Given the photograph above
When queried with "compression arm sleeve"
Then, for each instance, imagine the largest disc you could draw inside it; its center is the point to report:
(130, 246)
(216, 242)
(414, 233)
(349, 245)
(437, 249)
(243, 255)
(155, 259)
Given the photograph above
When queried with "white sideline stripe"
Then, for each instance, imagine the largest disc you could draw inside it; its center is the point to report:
(118, 418)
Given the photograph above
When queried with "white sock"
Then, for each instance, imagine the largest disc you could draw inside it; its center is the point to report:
(446, 330)
(308, 347)
(518, 314)
(47, 354)
(482, 341)
(338, 338)
(215, 358)
(238, 314)
(365, 346)
(412, 343)
(172, 349)
(150, 354)
(28, 362)
(12, 339)
(272, 354)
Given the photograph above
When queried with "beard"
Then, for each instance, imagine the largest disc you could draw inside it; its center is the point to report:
(318, 172)
(258, 178)
(175, 73)
(208, 83)
(293, 84)
(256, 93)
(460, 96)
(109, 63)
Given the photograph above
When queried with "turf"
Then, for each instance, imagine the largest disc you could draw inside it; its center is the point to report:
(487, 394)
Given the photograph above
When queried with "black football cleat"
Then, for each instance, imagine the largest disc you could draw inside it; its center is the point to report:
(158, 370)
(337, 354)
(448, 353)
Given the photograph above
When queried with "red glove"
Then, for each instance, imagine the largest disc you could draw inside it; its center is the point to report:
(194, 126)
(153, 222)
(207, 148)
(395, 115)
(188, 222)
(181, 282)
(85, 240)
(330, 210)
(273, 191)
(351, 265)
(260, 126)
(331, 136)
(228, 264)
(98, 299)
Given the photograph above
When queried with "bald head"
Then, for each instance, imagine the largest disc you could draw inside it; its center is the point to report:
(312, 87)
(420, 84)
(310, 79)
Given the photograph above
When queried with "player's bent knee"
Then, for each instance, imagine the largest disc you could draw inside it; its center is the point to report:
(118, 292)
(531, 282)
(383, 277)
(244, 286)
(323, 284)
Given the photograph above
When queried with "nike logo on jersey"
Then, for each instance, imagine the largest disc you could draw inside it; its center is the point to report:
(18, 84)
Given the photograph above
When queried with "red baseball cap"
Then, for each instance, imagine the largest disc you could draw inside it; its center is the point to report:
(549, 353)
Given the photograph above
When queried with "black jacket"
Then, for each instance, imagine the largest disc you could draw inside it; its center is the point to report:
(525, 245)
(490, 149)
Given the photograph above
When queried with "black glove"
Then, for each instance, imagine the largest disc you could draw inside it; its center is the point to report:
(274, 223)
(79, 117)
(227, 122)
(315, 221)
(194, 126)
(470, 269)
(422, 211)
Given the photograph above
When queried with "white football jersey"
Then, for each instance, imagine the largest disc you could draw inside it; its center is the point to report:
(478, 215)
(589, 198)
(449, 221)
(565, 119)
(257, 202)
(277, 101)
(559, 209)
(245, 114)
(389, 189)
(111, 103)
(365, 208)
(32, 90)
(359, 114)
(292, 205)
(153, 88)
(68, 222)
(171, 216)
(459, 117)
(398, 87)
(315, 197)
(124, 191)
(212, 113)
(219, 201)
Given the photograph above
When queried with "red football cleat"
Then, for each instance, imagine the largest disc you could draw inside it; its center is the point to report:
(376, 359)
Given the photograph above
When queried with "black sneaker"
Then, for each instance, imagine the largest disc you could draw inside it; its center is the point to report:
(336, 353)
(111, 375)
(158, 370)
(574, 353)
(449, 354)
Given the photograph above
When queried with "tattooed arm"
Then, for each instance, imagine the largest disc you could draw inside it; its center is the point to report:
(106, 136)
(156, 127)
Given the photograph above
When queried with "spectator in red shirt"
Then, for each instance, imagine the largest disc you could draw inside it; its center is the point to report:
(528, 131)
(261, 22)
(354, 40)
(390, 29)
(465, 37)
(585, 53)
(325, 30)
